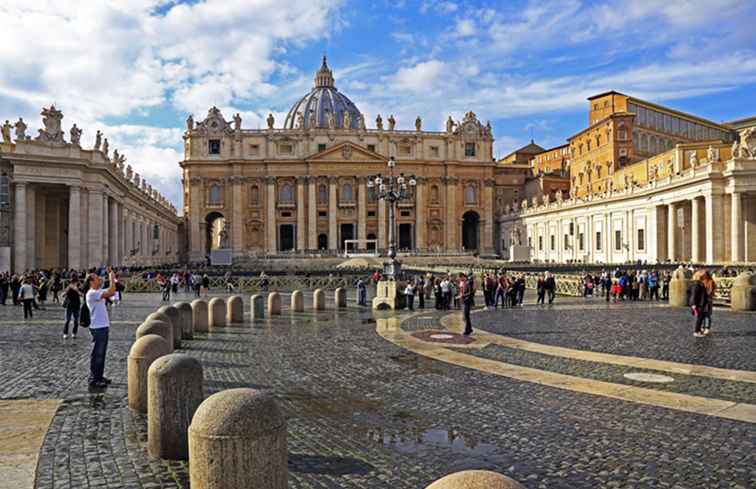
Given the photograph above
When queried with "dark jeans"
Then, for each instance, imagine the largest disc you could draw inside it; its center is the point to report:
(72, 313)
(500, 294)
(552, 293)
(28, 308)
(421, 300)
(99, 349)
(410, 302)
(362, 297)
(541, 296)
(466, 306)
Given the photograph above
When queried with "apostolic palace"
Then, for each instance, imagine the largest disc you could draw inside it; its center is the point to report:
(641, 182)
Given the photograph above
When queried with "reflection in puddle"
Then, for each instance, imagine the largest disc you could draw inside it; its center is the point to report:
(413, 441)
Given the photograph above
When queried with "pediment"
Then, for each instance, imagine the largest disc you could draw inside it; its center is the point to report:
(347, 152)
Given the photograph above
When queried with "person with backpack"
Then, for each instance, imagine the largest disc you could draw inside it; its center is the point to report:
(361, 293)
(99, 325)
(466, 296)
(72, 304)
(26, 296)
(701, 301)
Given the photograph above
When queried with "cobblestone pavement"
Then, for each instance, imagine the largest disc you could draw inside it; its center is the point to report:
(363, 413)
(636, 329)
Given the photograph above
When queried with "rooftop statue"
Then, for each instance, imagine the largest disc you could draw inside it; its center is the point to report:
(98, 140)
(450, 125)
(271, 120)
(20, 130)
(7, 132)
(190, 123)
(105, 147)
(391, 122)
(52, 133)
(362, 122)
(300, 121)
(418, 124)
(237, 122)
(347, 120)
(76, 135)
(313, 122)
(379, 122)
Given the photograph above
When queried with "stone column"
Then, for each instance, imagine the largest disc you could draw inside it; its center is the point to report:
(270, 225)
(74, 227)
(695, 232)
(382, 236)
(452, 223)
(115, 258)
(95, 237)
(362, 209)
(19, 228)
(128, 235)
(630, 235)
(31, 226)
(312, 214)
(487, 245)
(301, 226)
(671, 225)
(736, 225)
(607, 238)
(237, 226)
(421, 213)
(715, 249)
(196, 239)
(106, 230)
(333, 238)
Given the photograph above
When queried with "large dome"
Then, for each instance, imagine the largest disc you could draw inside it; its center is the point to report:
(323, 103)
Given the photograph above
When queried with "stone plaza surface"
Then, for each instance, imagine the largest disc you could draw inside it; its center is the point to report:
(363, 412)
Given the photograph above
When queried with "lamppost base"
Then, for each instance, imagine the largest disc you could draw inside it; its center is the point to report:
(385, 296)
(392, 269)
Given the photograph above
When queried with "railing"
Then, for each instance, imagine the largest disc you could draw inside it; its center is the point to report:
(252, 284)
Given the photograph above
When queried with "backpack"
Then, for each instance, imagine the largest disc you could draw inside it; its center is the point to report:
(84, 319)
(694, 294)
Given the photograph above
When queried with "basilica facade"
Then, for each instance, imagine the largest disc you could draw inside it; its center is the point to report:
(65, 206)
(300, 187)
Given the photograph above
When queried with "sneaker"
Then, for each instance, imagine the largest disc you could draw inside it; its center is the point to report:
(73, 336)
(698, 335)
(98, 384)
(65, 336)
(107, 380)
(707, 331)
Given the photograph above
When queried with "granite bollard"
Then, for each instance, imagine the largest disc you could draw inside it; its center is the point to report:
(160, 327)
(174, 392)
(217, 313)
(145, 350)
(237, 440)
(274, 303)
(173, 315)
(257, 307)
(678, 287)
(318, 300)
(340, 298)
(235, 310)
(186, 320)
(297, 301)
(475, 479)
(743, 292)
(200, 316)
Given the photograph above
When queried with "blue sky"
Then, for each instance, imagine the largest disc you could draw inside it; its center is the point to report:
(135, 69)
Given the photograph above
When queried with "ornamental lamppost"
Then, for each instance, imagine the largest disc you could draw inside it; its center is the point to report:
(391, 189)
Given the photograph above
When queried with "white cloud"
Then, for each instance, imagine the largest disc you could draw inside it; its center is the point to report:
(422, 77)
(466, 27)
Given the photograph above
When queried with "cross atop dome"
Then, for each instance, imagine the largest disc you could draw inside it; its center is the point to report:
(324, 76)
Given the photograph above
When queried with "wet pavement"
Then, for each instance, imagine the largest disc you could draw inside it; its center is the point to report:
(364, 413)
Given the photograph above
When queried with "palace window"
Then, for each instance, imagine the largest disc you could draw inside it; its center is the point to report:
(372, 196)
(371, 214)
(322, 194)
(254, 149)
(540, 243)
(469, 149)
(285, 149)
(641, 239)
(371, 147)
(434, 194)
(470, 194)
(598, 240)
(618, 240)
(286, 193)
(553, 242)
(214, 196)
(434, 151)
(572, 229)
(405, 150)
(254, 195)
(566, 242)
(588, 144)
(581, 241)
(4, 190)
(321, 147)
(156, 232)
(214, 146)
(347, 193)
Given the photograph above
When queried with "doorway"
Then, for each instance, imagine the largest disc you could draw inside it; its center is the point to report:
(405, 236)
(346, 231)
(287, 237)
(470, 231)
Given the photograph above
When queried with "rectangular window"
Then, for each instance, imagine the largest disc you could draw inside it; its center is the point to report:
(540, 243)
(405, 213)
(254, 149)
(286, 214)
(641, 239)
(469, 149)
(371, 147)
(566, 241)
(553, 242)
(405, 150)
(322, 214)
(371, 213)
(581, 244)
(213, 146)
(321, 148)
(434, 151)
(572, 229)
(598, 240)
(285, 149)
(4, 190)
(618, 240)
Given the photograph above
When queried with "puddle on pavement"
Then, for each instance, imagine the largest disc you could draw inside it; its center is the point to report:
(311, 405)
(418, 440)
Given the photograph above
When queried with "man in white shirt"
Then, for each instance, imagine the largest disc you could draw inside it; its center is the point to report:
(99, 325)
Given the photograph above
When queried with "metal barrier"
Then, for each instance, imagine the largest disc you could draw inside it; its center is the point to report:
(252, 284)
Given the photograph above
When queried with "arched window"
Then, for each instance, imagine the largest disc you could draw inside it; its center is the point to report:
(434, 193)
(322, 194)
(254, 195)
(470, 194)
(347, 193)
(4, 189)
(286, 193)
(214, 197)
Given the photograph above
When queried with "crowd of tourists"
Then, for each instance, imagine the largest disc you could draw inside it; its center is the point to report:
(630, 285)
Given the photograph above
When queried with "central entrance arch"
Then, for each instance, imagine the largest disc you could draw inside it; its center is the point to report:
(471, 231)
(215, 225)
